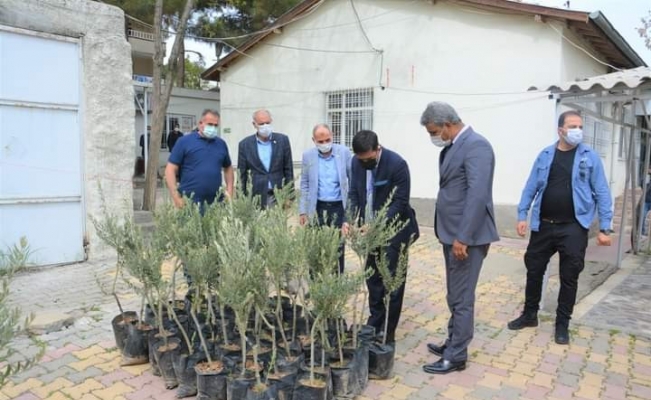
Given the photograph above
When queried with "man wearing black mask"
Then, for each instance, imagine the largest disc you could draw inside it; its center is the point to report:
(375, 173)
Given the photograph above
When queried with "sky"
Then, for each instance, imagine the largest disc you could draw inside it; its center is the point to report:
(624, 15)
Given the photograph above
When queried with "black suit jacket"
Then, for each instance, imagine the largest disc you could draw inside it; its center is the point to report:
(391, 172)
(281, 168)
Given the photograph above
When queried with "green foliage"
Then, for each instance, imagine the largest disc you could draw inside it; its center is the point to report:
(644, 30)
(12, 260)
(391, 281)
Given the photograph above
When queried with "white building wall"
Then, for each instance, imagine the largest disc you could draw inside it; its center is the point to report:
(480, 62)
(577, 65)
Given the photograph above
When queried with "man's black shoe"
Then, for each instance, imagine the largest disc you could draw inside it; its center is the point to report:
(435, 349)
(444, 366)
(561, 336)
(525, 320)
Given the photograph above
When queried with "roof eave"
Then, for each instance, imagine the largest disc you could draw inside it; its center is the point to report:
(602, 22)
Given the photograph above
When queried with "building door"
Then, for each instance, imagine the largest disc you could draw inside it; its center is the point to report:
(41, 179)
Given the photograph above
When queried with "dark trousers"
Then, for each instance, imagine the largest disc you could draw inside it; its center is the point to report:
(332, 213)
(570, 240)
(376, 294)
(461, 278)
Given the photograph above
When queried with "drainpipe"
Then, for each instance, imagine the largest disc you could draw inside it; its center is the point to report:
(613, 150)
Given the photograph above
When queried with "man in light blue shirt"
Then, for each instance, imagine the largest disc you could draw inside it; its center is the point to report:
(324, 182)
(567, 187)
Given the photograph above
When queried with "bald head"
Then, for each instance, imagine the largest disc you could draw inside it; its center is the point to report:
(261, 117)
(322, 138)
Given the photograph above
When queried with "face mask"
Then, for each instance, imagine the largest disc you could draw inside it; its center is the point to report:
(324, 147)
(438, 141)
(369, 163)
(574, 136)
(265, 130)
(210, 132)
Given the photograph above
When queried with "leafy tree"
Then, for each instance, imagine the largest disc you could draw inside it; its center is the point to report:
(192, 75)
(645, 30)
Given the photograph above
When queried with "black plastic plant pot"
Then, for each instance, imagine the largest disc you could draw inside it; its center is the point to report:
(262, 392)
(366, 334)
(120, 324)
(289, 363)
(319, 374)
(152, 341)
(361, 367)
(211, 381)
(380, 360)
(311, 390)
(295, 347)
(345, 381)
(185, 374)
(136, 344)
(284, 382)
(165, 356)
(237, 387)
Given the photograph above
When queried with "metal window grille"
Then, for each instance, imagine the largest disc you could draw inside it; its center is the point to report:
(185, 122)
(347, 112)
(625, 132)
(594, 133)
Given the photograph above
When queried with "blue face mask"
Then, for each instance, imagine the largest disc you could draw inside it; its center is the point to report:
(210, 132)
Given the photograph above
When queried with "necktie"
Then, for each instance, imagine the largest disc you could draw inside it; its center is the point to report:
(370, 181)
(443, 153)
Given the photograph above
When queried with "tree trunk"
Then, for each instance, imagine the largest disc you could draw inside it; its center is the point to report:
(161, 96)
(180, 78)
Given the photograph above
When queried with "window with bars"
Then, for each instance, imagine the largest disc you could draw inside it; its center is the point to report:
(347, 112)
(625, 132)
(594, 133)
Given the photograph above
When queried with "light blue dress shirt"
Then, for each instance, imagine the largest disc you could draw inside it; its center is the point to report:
(264, 152)
(329, 186)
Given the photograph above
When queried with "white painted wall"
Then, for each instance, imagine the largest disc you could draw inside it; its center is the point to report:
(577, 65)
(457, 54)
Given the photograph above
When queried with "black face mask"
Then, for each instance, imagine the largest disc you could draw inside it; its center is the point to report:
(369, 163)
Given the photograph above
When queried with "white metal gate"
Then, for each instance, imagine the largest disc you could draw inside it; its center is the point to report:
(41, 178)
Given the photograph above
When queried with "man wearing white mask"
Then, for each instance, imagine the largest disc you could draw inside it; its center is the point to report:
(464, 223)
(199, 158)
(324, 182)
(567, 186)
(266, 158)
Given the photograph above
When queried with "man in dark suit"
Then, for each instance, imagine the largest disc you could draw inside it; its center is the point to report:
(375, 173)
(267, 157)
(464, 223)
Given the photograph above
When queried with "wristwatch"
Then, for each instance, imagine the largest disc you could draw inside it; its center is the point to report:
(606, 231)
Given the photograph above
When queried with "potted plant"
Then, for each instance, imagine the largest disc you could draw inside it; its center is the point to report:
(242, 264)
(382, 354)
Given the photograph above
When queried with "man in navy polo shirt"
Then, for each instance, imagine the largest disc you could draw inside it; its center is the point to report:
(200, 156)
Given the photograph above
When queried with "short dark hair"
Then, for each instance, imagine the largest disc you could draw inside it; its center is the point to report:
(210, 111)
(364, 141)
(561, 118)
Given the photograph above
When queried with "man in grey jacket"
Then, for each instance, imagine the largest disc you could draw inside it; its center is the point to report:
(324, 182)
(464, 223)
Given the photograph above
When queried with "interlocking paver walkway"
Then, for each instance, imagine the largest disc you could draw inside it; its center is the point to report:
(600, 363)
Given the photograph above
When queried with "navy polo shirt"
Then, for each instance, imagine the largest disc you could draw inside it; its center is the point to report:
(200, 162)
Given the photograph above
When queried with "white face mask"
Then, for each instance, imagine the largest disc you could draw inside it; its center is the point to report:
(574, 136)
(265, 130)
(438, 141)
(324, 147)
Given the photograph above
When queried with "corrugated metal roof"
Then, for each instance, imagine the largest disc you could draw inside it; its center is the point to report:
(626, 79)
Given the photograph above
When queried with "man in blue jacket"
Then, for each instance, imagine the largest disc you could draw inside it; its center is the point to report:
(567, 186)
